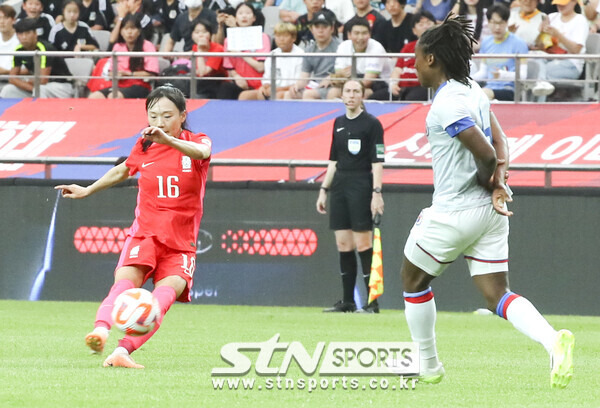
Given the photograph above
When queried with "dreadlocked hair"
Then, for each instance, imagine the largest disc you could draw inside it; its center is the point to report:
(451, 43)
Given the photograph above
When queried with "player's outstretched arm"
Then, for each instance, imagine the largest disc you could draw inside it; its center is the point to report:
(110, 178)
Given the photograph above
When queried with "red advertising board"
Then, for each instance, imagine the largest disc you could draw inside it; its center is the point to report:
(538, 134)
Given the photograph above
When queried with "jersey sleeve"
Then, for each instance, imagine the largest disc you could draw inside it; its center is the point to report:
(332, 150)
(134, 160)
(378, 148)
(455, 117)
(201, 138)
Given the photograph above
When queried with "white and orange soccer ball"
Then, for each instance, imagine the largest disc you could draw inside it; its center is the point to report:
(135, 312)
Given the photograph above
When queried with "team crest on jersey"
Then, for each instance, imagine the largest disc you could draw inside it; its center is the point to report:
(186, 164)
(419, 218)
(135, 251)
(354, 146)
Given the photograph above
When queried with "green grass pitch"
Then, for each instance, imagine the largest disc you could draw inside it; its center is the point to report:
(44, 363)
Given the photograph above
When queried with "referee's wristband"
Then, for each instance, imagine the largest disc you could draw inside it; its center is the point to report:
(324, 189)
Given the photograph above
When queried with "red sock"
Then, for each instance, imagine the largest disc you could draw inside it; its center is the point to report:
(103, 315)
(166, 296)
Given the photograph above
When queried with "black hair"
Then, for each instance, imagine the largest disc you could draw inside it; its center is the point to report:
(357, 21)
(418, 16)
(451, 43)
(135, 63)
(67, 2)
(208, 26)
(171, 93)
(463, 10)
(402, 2)
(259, 18)
(500, 9)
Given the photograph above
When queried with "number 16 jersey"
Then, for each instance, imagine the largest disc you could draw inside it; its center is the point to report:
(171, 192)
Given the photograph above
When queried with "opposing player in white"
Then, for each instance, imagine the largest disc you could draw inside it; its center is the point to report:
(468, 214)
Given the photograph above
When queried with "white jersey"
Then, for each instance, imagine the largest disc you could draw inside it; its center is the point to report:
(456, 107)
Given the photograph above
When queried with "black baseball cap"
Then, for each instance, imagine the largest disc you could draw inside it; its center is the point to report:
(321, 17)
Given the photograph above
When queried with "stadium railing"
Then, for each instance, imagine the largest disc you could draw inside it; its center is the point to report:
(588, 84)
(292, 165)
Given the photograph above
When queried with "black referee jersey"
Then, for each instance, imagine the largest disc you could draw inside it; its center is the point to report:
(64, 40)
(357, 143)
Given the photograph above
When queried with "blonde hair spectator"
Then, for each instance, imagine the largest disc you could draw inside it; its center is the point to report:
(285, 28)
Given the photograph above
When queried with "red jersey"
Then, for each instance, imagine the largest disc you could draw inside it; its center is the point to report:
(216, 63)
(171, 192)
(408, 65)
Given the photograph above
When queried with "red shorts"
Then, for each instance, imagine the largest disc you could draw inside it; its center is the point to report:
(162, 260)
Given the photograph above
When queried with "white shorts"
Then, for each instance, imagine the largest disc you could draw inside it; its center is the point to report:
(438, 238)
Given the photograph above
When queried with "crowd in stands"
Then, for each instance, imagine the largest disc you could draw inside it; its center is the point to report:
(344, 27)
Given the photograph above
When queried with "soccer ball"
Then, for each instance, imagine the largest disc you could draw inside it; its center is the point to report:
(135, 312)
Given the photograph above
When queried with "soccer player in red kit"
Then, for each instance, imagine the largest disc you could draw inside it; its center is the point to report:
(161, 244)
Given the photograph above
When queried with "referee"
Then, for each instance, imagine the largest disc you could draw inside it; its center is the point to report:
(353, 180)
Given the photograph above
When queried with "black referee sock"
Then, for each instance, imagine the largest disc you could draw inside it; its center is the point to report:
(348, 268)
(366, 257)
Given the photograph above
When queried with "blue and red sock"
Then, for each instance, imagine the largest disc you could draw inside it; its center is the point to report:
(504, 302)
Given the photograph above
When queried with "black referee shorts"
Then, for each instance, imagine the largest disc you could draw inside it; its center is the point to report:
(350, 201)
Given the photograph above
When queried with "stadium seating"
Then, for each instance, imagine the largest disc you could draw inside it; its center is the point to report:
(81, 69)
(103, 38)
(271, 14)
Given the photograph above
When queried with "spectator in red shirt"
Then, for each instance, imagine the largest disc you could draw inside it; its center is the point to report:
(207, 66)
(161, 243)
(245, 72)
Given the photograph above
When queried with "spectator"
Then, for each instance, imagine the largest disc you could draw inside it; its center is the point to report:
(569, 31)
(475, 11)
(343, 9)
(245, 71)
(207, 66)
(314, 76)
(305, 37)
(23, 65)
(72, 34)
(8, 38)
(183, 27)
(166, 12)
(500, 72)
(51, 7)
(98, 14)
(408, 90)
(34, 9)
(398, 30)
(288, 69)
(290, 10)
(526, 22)
(439, 8)
(370, 69)
(364, 9)
(142, 9)
(131, 39)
